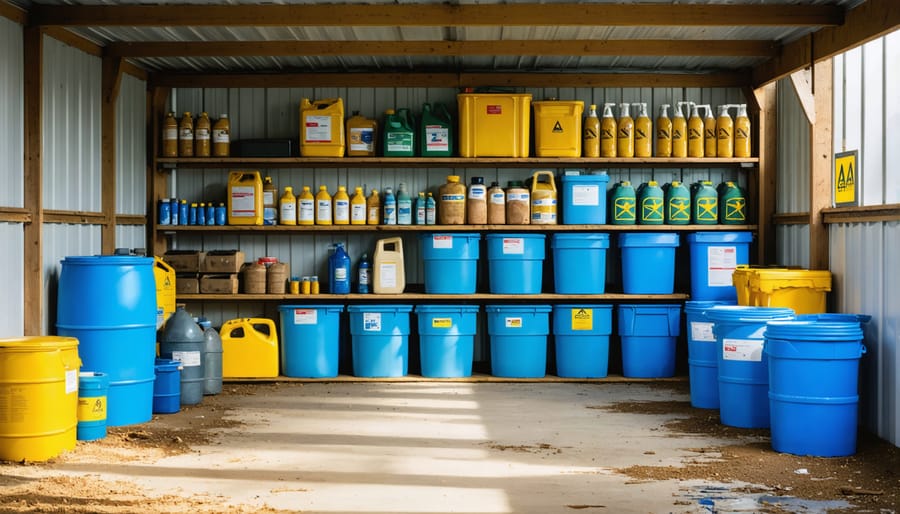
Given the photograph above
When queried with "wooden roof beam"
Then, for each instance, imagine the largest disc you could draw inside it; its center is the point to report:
(868, 21)
(728, 48)
(440, 15)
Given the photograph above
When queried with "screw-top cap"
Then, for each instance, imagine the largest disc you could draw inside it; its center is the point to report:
(288, 189)
(452, 178)
(675, 183)
(495, 184)
(593, 107)
(625, 183)
(652, 183)
(390, 111)
(342, 188)
(187, 113)
(323, 188)
(306, 188)
(514, 183)
(478, 180)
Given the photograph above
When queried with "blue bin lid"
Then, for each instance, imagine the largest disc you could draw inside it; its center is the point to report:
(462, 309)
(461, 235)
(599, 177)
(513, 309)
(741, 313)
(167, 364)
(523, 236)
(92, 380)
(696, 306)
(585, 306)
(810, 330)
(835, 316)
(379, 308)
(588, 239)
(668, 239)
(720, 237)
(285, 308)
(108, 260)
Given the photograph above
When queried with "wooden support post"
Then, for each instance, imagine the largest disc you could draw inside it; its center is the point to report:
(33, 252)
(821, 152)
(156, 181)
(111, 79)
(767, 129)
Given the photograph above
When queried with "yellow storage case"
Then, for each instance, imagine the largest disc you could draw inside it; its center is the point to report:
(249, 348)
(494, 125)
(557, 128)
(801, 290)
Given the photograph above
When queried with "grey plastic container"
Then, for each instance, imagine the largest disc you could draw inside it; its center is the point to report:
(182, 340)
(212, 359)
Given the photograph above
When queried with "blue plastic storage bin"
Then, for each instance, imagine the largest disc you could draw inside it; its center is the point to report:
(702, 354)
(743, 370)
(451, 262)
(714, 257)
(579, 263)
(649, 334)
(516, 263)
(648, 262)
(310, 339)
(446, 339)
(379, 336)
(518, 337)
(584, 199)
(582, 340)
(167, 387)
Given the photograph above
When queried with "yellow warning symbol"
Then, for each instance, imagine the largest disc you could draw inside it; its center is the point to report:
(582, 319)
(441, 322)
(558, 127)
(846, 172)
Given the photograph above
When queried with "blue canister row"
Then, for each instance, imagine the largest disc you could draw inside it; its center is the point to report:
(175, 212)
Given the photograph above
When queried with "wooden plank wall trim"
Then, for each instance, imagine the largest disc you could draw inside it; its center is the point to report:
(33, 198)
(767, 130)
(820, 164)
(111, 81)
(866, 214)
(11, 12)
(790, 218)
(15, 215)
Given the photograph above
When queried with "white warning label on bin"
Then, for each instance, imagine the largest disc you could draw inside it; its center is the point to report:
(513, 322)
(513, 246)
(306, 316)
(750, 350)
(187, 359)
(442, 242)
(372, 321)
(587, 196)
(71, 381)
(702, 331)
(722, 260)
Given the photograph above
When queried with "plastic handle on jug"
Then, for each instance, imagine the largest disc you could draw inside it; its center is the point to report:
(544, 173)
(254, 324)
(396, 241)
(228, 327)
(163, 264)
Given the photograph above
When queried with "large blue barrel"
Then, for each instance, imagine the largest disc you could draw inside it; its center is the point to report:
(702, 354)
(813, 372)
(109, 304)
(743, 370)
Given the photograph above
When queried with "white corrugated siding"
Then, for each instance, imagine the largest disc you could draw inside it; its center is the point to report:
(61, 241)
(864, 256)
(131, 160)
(792, 188)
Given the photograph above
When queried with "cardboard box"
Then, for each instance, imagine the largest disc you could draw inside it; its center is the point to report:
(222, 261)
(187, 283)
(219, 284)
(184, 260)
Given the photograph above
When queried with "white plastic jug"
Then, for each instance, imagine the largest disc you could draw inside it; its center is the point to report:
(389, 275)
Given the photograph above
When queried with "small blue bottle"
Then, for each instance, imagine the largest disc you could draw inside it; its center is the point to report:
(183, 213)
(362, 284)
(210, 214)
(201, 214)
(339, 270)
(192, 214)
(165, 212)
(390, 207)
(173, 208)
(221, 215)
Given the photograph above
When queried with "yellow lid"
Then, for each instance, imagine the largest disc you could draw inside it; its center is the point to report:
(452, 178)
(288, 189)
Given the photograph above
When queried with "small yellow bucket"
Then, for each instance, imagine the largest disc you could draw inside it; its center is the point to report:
(38, 397)
(249, 348)
(801, 290)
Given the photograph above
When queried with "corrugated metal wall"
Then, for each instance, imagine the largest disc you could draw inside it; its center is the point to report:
(792, 188)
(12, 176)
(131, 160)
(865, 256)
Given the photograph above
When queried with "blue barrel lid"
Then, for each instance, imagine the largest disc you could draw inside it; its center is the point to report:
(606, 306)
(519, 235)
(108, 260)
(599, 177)
(167, 364)
(810, 330)
(589, 236)
(431, 309)
(720, 237)
(461, 235)
(512, 309)
(748, 314)
(284, 308)
(835, 316)
(375, 307)
(92, 380)
(648, 239)
(649, 306)
(696, 306)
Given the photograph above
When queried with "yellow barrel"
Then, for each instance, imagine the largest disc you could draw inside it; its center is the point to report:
(165, 290)
(38, 397)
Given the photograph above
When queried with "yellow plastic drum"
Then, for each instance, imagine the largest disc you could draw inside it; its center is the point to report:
(801, 290)
(38, 397)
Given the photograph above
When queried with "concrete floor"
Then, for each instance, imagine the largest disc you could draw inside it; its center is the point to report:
(433, 447)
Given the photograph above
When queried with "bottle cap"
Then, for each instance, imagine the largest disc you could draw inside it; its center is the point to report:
(478, 180)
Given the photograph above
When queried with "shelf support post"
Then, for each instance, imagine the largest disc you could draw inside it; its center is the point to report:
(111, 80)
(33, 295)
(821, 149)
(767, 124)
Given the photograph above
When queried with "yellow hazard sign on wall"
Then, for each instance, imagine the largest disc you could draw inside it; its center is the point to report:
(846, 178)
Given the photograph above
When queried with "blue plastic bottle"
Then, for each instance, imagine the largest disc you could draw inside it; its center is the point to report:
(420, 208)
(339, 270)
(221, 214)
(165, 212)
(210, 214)
(404, 206)
(183, 213)
(201, 214)
(173, 211)
(362, 286)
(192, 214)
(390, 207)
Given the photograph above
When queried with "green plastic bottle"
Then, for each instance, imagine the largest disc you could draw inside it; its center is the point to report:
(435, 131)
(733, 205)
(623, 203)
(652, 202)
(705, 210)
(678, 204)
(399, 137)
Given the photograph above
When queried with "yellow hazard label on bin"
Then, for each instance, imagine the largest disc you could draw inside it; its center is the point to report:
(92, 409)
(582, 319)
(441, 322)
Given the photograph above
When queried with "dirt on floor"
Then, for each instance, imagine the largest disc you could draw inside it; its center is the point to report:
(870, 479)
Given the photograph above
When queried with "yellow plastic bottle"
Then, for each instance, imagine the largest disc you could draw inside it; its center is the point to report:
(590, 143)
(664, 132)
(373, 208)
(742, 132)
(695, 133)
(306, 207)
(679, 132)
(186, 136)
(709, 132)
(323, 206)
(201, 136)
(221, 137)
(724, 133)
(358, 207)
(608, 129)
(341, 202)
(643, 132)
(624, 133)
(170, 136)
(287, 207)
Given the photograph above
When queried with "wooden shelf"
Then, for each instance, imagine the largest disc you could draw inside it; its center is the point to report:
(406, 297)
(452, 162)
(327, 229)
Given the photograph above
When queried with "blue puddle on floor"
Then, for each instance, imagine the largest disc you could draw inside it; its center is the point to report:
(722, 500)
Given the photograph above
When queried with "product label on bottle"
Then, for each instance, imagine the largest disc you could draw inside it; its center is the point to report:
(268, 197)
(220, 136)
(92, 408)
(323, 210)
(430, 214)
(288, 211)
(307, 210)
(372, 322)
(477, 193)
(306, 317)
(513, 246)
(187, 359)
(363, 276)
(202, 134)
(404, 213)
(171, 133)
(441, 322)
(437, 138)
(243, 201)
(186, 133)
(388, 275)
(318, 129)
(494, 109)
(390, 215)
(518, 197)
(420, 216)
(453, 198)
(362, 139)
(513, 322)
(398, 142)
(442, 242)
(71, 381)
(586, 196)
(702, 331)
(342, 210)
(722, 261)
(582, 319)
(358, 212)
(544, 202)
(749, 350)
(340, 274)
(498, 198)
